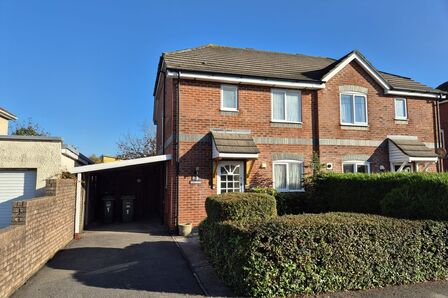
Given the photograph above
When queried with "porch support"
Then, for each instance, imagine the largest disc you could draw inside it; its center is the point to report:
(78, 205)
(249, 166)
(215, 169)
(400, 169)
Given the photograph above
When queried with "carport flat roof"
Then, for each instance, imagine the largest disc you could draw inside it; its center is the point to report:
(120, 164)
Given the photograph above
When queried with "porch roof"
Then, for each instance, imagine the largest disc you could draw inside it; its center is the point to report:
(233, 144)
(404, 149)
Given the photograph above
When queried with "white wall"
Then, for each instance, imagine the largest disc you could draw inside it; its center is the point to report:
(45, 156)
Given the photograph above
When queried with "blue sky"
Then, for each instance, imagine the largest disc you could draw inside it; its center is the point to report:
(85, 70)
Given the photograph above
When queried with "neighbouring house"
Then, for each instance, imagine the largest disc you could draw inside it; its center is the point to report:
(108, 158)
(236, 118)
(444, 123)
(26, 162)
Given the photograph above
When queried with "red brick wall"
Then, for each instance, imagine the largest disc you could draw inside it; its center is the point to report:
(41, 227)
(200, 112)
(381, 122)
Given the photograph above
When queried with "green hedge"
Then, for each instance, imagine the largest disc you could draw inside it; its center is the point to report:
(243, 207)
(305, 254)
(425, 198)
(356, 192)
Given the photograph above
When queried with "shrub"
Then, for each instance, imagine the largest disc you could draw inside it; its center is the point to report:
(293, 202)
(305, 254)
(356, 192)
(243, 207)
(423, 198)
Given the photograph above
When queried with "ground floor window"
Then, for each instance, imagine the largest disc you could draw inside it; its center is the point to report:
(230, 176)
(288, 175)
(356, 167)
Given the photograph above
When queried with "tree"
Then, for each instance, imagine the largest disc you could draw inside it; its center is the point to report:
(28, 129)
(94, 158)
(131, 146)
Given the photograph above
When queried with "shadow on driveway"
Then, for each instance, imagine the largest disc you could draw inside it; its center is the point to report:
(105, 263)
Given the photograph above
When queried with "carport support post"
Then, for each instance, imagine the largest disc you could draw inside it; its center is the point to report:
(78, 205)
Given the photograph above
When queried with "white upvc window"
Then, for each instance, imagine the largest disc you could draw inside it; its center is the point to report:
(401, 110)
(356, 167)
(353, 108)
(229, 98)
(288, 175)
(286, 106)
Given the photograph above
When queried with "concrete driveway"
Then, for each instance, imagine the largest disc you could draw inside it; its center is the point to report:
(139, 260)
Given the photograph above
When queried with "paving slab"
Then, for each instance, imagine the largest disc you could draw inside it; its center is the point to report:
(205, 273)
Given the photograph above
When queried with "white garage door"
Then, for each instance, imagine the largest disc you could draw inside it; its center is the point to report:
(14, 185)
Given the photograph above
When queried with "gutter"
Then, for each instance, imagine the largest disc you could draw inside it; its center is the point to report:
(245, 80)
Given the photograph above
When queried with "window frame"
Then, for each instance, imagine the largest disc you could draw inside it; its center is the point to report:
(287, 162)
(234, 88)
(353, 95)
(285, 91)
(356, 163)
(405, 108)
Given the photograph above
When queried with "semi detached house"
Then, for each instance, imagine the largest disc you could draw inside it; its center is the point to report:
(234, 118)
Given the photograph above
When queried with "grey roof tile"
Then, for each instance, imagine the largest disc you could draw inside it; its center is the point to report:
(265, 64)
(234, 143)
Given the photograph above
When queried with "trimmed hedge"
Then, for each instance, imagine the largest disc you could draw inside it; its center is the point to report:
(243, 207)
(425, 198)
(305, 254)
(356, 192)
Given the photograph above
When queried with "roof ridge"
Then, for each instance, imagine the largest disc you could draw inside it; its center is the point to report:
(248, 49)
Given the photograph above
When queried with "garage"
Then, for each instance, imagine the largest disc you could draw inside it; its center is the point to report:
(121, 192)
(15, 184)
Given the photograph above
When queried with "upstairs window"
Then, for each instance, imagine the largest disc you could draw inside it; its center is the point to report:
(401, 112)
(288, 175)
(353, 109)
(229, 98)
(356, 167)
(286, 106)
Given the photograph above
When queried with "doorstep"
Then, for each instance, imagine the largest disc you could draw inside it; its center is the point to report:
(203, 271)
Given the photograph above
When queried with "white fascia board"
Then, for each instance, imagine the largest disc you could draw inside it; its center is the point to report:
(429, 159)
(238, 155)
(417, 94)
(363, 64)
(7, 115)
(121, 164)
(245, 80)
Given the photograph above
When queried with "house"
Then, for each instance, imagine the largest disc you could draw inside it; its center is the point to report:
(234, 118)
(444, 123)
(27, 161)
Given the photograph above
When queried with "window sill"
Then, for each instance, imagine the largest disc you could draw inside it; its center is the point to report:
(354, 127)
(401, 121)
(286, 124)
(229, 112)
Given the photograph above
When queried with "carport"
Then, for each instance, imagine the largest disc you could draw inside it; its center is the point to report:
(136, 185)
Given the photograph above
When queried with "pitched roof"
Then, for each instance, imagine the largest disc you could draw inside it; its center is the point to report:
(7, 115)
(265, 64)
(443, 87)
(413, 148)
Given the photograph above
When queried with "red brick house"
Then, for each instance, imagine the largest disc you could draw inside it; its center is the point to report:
(444, 123)
(235, 118)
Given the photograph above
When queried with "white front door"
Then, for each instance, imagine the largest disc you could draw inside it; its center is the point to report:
(230, 176)
(14, 185)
